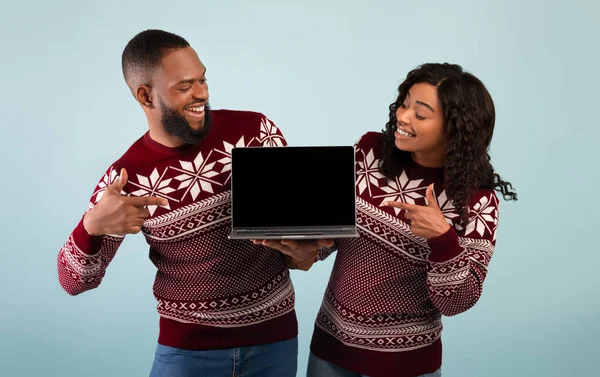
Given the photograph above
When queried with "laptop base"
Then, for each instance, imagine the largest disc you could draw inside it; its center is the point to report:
(292, 234)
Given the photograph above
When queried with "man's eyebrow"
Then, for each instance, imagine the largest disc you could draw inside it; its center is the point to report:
(189, 81)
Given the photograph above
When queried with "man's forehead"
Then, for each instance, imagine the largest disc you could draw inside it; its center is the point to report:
(182, 62)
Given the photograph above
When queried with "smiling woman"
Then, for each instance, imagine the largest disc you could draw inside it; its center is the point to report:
(452, 116)
(428, 216)
(420, 126)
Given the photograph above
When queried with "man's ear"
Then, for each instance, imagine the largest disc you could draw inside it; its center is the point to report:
(143, 94)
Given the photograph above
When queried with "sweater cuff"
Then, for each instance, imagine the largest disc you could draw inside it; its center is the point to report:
(87, 243)
(325, 251)
(444, 247)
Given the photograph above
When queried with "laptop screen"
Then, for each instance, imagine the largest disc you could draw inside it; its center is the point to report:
(293, 187)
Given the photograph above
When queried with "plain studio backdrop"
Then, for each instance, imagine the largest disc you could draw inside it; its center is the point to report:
(325, 73)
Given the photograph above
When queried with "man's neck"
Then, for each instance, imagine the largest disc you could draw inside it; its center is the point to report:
(158, 134)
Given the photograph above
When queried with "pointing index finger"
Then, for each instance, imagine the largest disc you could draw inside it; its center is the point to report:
(404, 206)
(143, 201)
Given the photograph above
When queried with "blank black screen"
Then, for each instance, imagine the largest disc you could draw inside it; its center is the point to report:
(293, 186)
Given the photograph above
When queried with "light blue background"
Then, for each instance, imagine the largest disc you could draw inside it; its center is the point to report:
(325, 74)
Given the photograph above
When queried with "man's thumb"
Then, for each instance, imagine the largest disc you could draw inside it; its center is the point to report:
(120, 182)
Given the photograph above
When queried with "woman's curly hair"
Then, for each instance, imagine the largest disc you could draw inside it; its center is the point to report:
(469, 116)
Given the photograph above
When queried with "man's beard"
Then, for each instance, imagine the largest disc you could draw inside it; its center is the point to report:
(176, 125)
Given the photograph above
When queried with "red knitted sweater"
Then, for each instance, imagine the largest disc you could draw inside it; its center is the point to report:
(381, 314)
(212, 292)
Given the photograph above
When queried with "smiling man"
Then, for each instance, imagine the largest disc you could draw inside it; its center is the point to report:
(225, 306)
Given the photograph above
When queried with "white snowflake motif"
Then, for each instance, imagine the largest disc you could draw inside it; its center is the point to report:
(368, 172)
(197, 176)
(269, 137)
(447, 207)
(402, 189)
(153, 185)
(108, 179)
(484, 217)
(226, 152)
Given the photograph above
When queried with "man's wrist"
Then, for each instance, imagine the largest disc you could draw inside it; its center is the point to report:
(296, 264)
(311, 257)
(88, 225)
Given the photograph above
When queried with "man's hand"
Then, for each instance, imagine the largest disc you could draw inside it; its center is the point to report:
(425, 221)
(118, 214)
(298, 254)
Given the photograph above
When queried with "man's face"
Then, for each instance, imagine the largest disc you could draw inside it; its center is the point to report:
(182, 94)
(176, 124)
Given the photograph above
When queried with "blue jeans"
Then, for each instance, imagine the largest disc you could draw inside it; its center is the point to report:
(278, 359)
(320, 368)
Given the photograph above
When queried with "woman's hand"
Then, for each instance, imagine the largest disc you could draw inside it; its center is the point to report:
(426, 221)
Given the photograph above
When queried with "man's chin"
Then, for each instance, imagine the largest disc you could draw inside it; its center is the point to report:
(197, 125)
(195, 134)
(195, 122)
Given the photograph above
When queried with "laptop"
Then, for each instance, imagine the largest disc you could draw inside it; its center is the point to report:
(293, 192)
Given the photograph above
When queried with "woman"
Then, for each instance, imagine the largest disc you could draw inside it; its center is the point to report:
(427, 214)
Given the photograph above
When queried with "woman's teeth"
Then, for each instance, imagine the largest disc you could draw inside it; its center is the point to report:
(404, 133)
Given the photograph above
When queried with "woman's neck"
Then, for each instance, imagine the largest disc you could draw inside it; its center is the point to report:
(429, 160)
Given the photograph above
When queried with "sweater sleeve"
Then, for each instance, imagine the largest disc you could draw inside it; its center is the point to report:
(458, 263)
(325, 251)
(83, 259)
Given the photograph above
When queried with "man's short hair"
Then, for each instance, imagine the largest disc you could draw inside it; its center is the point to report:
(144, 53)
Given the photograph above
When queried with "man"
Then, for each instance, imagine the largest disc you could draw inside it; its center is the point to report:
(225, 306)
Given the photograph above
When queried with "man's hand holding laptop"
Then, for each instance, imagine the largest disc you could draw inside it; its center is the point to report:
(298, 254)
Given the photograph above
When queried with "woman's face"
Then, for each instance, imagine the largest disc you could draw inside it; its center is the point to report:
(421, 126)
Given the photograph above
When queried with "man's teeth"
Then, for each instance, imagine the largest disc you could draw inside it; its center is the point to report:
(198, 109)
(404, 133)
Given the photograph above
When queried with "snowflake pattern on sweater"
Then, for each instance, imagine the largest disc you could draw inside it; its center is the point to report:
(202, 277)
(389, 288)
